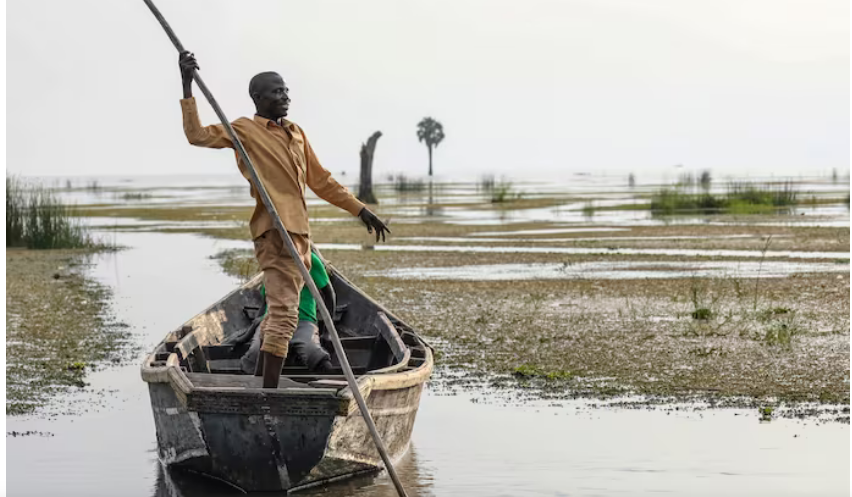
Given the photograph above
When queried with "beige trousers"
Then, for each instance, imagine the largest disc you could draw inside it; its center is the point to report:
(283, 284)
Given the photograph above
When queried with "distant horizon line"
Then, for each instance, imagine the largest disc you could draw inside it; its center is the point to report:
(543, 177)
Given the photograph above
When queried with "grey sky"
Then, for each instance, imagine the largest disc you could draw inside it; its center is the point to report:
(528, 88)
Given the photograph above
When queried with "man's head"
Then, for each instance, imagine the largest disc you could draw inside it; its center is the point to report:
(269, 93)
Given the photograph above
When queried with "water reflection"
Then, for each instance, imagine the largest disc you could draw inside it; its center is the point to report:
(417, 479)
(432, 209)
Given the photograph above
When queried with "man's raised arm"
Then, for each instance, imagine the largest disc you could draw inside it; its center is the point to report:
(213, 136)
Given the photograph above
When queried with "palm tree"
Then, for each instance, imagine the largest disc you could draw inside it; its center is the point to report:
(431, 132)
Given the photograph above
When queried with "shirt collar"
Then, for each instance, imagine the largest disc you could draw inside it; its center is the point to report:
(269, 122)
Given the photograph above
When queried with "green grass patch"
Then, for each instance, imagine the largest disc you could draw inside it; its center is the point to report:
(504, 191)
(37, 219)
(780, 334)
(169, 213)
(238, 262)
(530, 371)
(58, 327)
(639, 206)
(774, 312)
(702, 314)
(740, 198)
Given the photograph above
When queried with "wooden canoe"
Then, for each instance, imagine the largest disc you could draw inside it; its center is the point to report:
(213, 419)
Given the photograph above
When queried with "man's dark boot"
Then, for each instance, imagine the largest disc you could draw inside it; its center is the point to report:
(324, 367)
(271, 370)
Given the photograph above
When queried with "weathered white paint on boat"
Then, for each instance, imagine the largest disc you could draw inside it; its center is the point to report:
(302, 434)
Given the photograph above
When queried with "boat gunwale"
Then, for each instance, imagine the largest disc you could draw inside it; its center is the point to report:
(373, 380)
(388, 378)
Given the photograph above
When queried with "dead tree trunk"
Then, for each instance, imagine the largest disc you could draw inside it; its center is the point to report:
(365, 187)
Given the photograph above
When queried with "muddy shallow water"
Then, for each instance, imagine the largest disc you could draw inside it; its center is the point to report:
(615, 270)
(752, 254)
(479, 442)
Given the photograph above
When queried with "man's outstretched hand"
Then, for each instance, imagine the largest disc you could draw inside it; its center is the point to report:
(373, 223)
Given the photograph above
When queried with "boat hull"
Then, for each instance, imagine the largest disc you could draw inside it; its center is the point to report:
(217, 422)
(283, 450)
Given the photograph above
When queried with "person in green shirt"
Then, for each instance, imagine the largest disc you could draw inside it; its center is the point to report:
(305, 343)
(306, 339)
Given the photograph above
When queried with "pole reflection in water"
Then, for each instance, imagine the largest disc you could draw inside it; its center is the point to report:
(417, 481)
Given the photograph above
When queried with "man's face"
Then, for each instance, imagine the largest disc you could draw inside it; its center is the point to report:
(271, 98)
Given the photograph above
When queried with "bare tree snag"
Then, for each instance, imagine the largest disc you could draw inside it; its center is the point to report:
(365, 188)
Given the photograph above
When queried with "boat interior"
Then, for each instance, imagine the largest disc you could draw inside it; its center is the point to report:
(209, 347)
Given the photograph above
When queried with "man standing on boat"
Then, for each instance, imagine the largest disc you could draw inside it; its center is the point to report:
(286, 164)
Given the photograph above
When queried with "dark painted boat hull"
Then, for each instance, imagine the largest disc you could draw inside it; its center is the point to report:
(262, 440)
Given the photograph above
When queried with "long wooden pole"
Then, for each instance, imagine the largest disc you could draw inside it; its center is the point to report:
(291, 248)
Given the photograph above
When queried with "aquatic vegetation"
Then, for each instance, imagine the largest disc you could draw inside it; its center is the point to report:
(600, 319)
(768, 314)
(529, 371)
(58, 327)
(674, 200)
(740, 198)
(238, 262)
(702, 314)
(37, 219)
(134, 196)
(783, 195)
(699, 294)
(404, 184)
(781, 333)
(223, 213)
(486, 183)
(504, 191)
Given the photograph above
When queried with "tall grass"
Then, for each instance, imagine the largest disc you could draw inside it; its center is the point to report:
(504, 191)
(15, 212)
(486, 183)
(37, 219)
(402, 184)
(783, 195)
(676, 200)
(740, 198)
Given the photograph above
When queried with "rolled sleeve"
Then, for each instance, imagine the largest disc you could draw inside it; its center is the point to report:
(213, 136)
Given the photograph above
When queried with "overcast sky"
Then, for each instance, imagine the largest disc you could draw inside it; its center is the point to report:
(523, 88)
